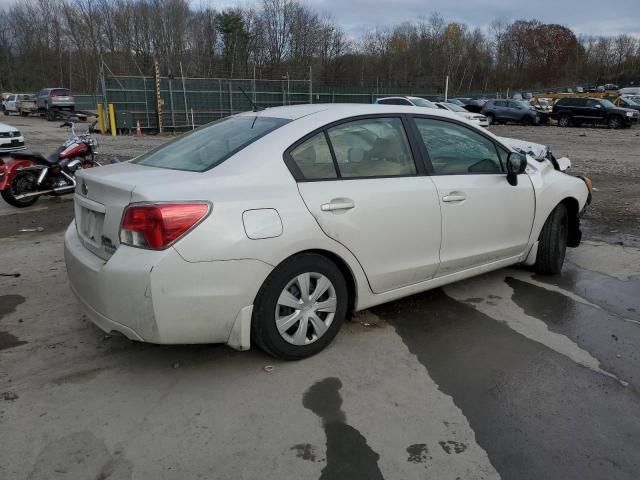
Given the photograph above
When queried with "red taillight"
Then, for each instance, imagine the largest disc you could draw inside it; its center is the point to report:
(157, 226)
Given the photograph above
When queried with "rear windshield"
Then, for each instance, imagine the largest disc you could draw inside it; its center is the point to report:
(210, 145)
(59, 92)
(421, 102)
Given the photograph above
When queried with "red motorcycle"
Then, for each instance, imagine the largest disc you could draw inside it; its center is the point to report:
(26, 176)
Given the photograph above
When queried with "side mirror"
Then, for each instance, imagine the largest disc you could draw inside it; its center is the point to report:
(516, 164)
(598, 105)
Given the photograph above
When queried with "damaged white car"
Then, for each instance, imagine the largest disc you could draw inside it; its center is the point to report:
(268, 227)
(538, 152)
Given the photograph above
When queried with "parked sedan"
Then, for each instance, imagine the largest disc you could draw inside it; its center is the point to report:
(268, 228)
(515, 111)
(474, 118)
(11, 139)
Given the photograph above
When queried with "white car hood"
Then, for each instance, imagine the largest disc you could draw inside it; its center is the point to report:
(7, 128)
(535, 150)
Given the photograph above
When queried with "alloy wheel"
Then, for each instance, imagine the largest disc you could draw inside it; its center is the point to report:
(305, 308)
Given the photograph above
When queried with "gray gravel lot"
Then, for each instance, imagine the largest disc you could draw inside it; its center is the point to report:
(509, 375)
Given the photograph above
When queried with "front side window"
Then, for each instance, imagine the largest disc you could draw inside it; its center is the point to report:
(457, 150)
(313, 159)
(373, 147)
(210, 145)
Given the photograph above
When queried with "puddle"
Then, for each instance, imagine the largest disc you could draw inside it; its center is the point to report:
(621, 297)
(608, 338)
(349, 457)
(8, 304)
(531, 408)
(8, 341)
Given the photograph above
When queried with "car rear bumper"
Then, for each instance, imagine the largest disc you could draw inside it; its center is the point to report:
(157, 296)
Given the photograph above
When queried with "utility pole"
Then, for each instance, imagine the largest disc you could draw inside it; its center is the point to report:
(159, 101)
(446, 89)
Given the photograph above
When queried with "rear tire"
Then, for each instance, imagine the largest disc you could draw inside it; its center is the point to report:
(273, 325)
(564, 121)
(22, 183)
(552, 244)
(51, 115)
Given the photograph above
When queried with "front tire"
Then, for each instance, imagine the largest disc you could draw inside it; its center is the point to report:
(614, 122)
(564, 121)
(552, 244)
(24, 182)
(491, 118)
(300, 307)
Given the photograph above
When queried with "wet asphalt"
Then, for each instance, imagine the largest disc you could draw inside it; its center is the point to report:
(511, 375)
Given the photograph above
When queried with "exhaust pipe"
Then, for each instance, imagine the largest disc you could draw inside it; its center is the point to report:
(66, 188)
(55, 191)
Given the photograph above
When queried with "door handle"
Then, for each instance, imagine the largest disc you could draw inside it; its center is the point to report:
(341, 205)
(454, 197)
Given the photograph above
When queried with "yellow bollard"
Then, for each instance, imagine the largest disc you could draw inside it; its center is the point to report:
(112, 120)
(101, 118)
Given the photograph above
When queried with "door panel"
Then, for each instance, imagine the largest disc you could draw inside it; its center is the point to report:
(484, 219)
(493, 222)
(378, 206)
(391, 225)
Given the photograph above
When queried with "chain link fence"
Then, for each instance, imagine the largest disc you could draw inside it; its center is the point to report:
(187, 103)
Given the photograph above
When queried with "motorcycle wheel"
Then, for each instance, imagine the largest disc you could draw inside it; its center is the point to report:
(24, 182)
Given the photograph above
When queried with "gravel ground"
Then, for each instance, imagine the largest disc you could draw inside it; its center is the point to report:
(508, 375)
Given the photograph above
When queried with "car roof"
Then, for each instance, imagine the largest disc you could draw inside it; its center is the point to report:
(337, 111)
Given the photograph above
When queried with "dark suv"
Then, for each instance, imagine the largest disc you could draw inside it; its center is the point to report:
(503, 111)
(579, 110)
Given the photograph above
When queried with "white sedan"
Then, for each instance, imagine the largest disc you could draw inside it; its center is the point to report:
(270, 227)
(11, 139)
(475, 118)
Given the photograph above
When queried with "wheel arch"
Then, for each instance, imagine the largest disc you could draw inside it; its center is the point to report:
(573, 210)
(344, 267)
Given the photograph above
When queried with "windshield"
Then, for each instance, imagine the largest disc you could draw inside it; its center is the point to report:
(210, 145)
(455, 108)
(421, 102)
(60, 92)
(607, 103)
(633, 103)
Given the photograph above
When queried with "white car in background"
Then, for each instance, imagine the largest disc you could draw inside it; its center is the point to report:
(11, 139)
(269, 227)
(475, 118)
(406, 101)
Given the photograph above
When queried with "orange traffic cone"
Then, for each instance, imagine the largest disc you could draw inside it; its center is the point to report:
(138, 129)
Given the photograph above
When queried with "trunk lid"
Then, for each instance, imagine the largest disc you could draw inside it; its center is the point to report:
(103, 193)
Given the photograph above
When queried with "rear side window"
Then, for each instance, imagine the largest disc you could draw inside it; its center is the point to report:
(313, 158)
(373, 147)
(210, 145)
(457, 150)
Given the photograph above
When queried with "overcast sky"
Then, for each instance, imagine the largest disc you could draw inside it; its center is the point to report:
(595, 17)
